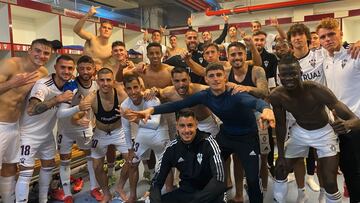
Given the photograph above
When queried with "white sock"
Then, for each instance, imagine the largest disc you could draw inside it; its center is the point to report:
(146, 167)
(65, 173)
(280, 190)
(7, 189)
(301, 192)
(93, 182)
(333, 198)
(322, 195)
(111, 169)
(45, 177)
(22, 185)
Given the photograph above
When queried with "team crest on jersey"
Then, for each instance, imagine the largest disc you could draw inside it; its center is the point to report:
(266, 63)
(22, 160)
(313, 62)
(199, 157)
(343, 63)
(201, 59)
(39, 94)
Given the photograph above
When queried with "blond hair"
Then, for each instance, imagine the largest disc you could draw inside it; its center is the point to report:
(328, 23)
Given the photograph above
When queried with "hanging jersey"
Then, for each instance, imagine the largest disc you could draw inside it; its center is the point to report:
(107, 117)
(64, 124)
(41, 124)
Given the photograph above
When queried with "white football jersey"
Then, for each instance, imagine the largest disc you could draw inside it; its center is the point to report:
(64, 124)
(312, 66)
(343, 78)
(155, 124)
(41, 124)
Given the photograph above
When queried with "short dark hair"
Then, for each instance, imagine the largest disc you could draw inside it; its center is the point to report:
(299, 28)
(234, 26)
(128, 78)
(85, 59)
(206, 31)
(106, 22)
(214, 66)
(259, 33)
(64, 57)
(153, 44)
(313, 32)
(206, 46)
(179, 70)
(256, 21)
(104, 71)
(117, 44)
(156, 31)
(288, 59)
(185, 113)
(236, 44)
(191, 30)
(55, 44)
(171, 36)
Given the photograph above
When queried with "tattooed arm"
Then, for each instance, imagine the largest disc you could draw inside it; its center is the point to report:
(36, 106)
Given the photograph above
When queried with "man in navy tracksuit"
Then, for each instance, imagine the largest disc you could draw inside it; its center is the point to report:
(197, 156)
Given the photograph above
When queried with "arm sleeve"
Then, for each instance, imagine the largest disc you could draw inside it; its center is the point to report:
(178, 105)
(127, 128)
(65, 110)
(222, 37)
(252, 102)
(160, 176)
(39, 91)
(216, 185)
(154, 122)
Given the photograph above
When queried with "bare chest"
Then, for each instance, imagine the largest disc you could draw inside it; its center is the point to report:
(160, 79)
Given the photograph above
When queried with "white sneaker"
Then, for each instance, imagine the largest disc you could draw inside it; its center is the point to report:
(291, 177)
(302, 196)
(312, 184)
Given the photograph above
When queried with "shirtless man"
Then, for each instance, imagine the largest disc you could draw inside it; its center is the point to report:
(174, 49)
(156, 37)
(212, 54)
(108, 126)
(182, 88)
(36, 128)
(119, 55)
(97, 47)
(306, 101)
(17, 76)
(100, 49)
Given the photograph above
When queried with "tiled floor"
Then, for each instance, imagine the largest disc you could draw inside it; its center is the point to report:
(84, 196)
